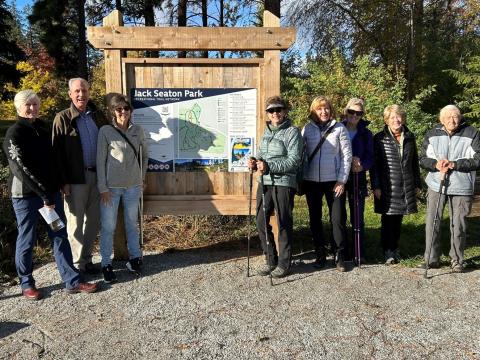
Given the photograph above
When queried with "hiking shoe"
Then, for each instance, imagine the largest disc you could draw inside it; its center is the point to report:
(389, 257)
(396, 256)
(320, 263)
(432, 265)
(108, 274)
(133, 265)
(457, 267)
(265, 270)
(278, 272)
(341, 264)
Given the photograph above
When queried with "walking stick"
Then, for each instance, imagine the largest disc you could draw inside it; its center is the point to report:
(266, 226)
(443, 177)
(250, 186)
(356, 219)
(140, 208)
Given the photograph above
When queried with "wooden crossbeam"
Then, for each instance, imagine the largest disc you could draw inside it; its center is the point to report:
(191, 38)
(197, 204)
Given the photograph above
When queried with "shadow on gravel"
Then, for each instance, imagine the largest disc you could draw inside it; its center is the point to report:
(9, 327)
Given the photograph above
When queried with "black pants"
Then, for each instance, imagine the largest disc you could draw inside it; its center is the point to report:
(390, 231)
(314, 192)
(280, 199)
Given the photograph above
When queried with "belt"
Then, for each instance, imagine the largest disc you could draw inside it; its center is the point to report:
(91, 168)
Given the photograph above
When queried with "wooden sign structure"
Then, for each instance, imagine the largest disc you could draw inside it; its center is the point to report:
(182, 193)
(204, 193)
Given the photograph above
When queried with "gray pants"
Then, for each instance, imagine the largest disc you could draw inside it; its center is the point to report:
(82, 209)
(459, 207)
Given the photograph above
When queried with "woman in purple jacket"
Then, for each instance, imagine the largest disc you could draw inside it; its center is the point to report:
(362, 160)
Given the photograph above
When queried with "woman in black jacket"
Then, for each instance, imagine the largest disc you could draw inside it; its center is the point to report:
(34, 185)
(396, 178)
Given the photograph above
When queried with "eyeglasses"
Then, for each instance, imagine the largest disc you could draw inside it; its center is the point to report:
(124, 108)
(275, 110)
(354, 112)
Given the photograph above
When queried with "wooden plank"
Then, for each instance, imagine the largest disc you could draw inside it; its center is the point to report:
(210, 61)
(113, 58)
(232, 206)
(190, 38)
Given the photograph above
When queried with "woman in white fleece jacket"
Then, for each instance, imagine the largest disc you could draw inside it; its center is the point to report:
(326, 172)
(119, 177)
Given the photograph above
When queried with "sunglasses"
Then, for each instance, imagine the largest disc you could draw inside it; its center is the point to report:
(124, 108)
(354, 112)
(275, 110)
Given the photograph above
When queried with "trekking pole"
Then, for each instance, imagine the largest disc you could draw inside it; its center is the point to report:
(356, 219)
(443, 176)
(266, 226)
(140, 207)
(250, 187)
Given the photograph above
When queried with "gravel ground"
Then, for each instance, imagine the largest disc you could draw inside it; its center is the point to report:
(199, 304)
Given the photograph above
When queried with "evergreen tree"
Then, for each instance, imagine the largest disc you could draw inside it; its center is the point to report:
(10, 52)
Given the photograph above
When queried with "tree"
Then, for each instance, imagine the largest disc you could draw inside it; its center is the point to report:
(62, 26)
(10, 52)
(416, 39)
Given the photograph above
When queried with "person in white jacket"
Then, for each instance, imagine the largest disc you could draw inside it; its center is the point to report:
(326, 169)
(120, 177)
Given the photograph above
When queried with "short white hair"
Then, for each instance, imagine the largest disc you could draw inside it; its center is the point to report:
(23, 97)
(72, 80)
(448, 108)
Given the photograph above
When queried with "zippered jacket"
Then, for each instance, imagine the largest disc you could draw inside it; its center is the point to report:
(396, 173)
(462, 148)
(117, 164)
(362, 147)
(28, 148)
(333, 160)
(67, 145)
(281, 149)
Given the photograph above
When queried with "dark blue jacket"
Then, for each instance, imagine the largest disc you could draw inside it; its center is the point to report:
(362, 147)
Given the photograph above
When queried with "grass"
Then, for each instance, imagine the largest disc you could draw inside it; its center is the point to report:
(412, 238)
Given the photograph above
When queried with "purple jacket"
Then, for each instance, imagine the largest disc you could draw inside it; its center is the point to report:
(362, 147)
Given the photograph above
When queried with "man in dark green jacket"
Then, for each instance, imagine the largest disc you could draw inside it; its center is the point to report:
(279, 157)
(75, 132)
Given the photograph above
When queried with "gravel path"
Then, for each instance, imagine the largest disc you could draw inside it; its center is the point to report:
(198, 304)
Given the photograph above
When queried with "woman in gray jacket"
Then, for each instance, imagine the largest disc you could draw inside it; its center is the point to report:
(278, 161)
(327, 161)
(120, 177)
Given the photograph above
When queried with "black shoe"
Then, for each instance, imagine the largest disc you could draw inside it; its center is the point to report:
(108, 274)
(279, 272)
(90, 269)
(432, 265)
(133, 265)
(265, 270)
(320, 263)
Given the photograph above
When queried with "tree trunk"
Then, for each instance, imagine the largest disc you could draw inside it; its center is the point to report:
(182, 21)
(222, 22)
(118, 5)
(82, 40)
(414, 46)
(149, 16)
(204, 23)
(273, 6)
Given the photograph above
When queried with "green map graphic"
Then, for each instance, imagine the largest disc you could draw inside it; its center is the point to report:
(198, 135)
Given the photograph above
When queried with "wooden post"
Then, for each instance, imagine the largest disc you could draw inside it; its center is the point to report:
(271, 18)
(113, 84)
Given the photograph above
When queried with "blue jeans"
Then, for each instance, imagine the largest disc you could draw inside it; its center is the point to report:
(26, 212)
(108, 216)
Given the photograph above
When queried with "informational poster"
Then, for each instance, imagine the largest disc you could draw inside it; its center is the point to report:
(197, 129)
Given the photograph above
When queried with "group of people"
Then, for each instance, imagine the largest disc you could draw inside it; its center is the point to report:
(88, 163)
(333, 158)
(80, 169)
